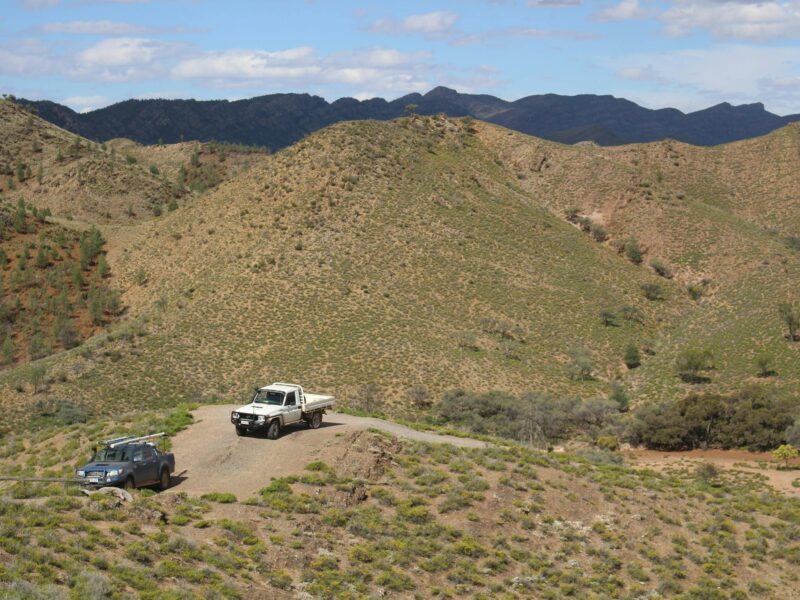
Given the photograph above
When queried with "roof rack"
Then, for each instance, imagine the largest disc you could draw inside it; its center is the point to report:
(131, 439)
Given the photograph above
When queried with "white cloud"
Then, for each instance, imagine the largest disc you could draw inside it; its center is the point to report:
(623, 11)
(26, 57)
(123, 59)
(706, 76)
(374, 70)
(85, 103)
(249, 65)
(433, 25)
(740, 19)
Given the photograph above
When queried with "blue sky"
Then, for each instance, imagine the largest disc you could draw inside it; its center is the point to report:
(689, 54)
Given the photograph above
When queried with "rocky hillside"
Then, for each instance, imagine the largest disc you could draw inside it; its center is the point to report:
(279, 120)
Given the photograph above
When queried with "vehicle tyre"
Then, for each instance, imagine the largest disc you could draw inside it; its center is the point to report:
(129, 485)
(274, 430)
(316, 420)
(241, 430)
(165, 480)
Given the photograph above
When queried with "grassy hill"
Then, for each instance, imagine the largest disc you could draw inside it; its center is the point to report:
(375, 256)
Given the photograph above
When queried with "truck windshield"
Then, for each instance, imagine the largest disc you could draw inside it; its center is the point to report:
(268, 397)
(112, 455)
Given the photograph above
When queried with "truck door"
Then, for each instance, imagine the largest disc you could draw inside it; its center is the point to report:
(293, 412)
(146, 468)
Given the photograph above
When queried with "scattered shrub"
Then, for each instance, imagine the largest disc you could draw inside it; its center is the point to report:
(632, 251)
(692, 365)
(661, 269)
(580, 365)
(632, 357)
(653, 291)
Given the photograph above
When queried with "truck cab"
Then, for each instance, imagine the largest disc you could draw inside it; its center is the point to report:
(277, 405)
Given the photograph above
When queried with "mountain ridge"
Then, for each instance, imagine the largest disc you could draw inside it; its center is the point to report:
(279, 120)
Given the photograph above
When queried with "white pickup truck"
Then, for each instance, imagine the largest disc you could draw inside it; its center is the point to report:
(277, 405)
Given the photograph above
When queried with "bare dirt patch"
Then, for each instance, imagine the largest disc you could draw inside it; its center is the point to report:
(760, 463)
(210, 456)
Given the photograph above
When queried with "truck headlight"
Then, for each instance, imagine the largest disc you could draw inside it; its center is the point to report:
(80, 473)
(114, 472)
(261, 419)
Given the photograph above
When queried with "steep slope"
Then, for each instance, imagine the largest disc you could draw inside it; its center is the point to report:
(372, 257)
(387, 253)
(705, 214)
(72, 177)
(279, 120)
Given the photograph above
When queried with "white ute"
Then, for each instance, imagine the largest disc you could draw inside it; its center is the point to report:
(277, 405)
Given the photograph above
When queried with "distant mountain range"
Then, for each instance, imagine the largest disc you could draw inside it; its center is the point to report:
(279, 120)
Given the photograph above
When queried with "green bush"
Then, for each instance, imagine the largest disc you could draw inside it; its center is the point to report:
(661, 269)
(632, 251)
(749, 418)
(652, 291)
(693, 363)
(632, 357)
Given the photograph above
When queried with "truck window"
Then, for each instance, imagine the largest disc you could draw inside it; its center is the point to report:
(270, 397)
(149, 452)
(291, 399)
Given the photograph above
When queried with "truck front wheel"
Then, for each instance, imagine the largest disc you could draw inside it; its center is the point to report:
(129, 483)
(274, 430)
(316, 420)
(241, 430)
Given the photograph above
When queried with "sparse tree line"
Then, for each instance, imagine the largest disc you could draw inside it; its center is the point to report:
(748, 418)
(50, 288)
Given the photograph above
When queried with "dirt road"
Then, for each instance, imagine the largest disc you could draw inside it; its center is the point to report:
(212, 458)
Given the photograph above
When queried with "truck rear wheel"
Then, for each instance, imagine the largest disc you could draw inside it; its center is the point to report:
(165, 480)
(274, 430)
(316, 420)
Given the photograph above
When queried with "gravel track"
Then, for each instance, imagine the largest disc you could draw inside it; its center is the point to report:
(210, 457)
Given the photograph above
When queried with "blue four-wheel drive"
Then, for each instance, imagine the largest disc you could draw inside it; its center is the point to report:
(129, 462)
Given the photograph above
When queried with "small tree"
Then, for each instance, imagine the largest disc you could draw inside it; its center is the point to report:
(764, 364)
(632, 251)
(37, 376)
(419, 397)
(580, 366)
(7, 351)
(653, 291)
(632, 357)
(785, 453)
(790, 315)
(692, 365)
(608, 317)
(411, 109)
(369, 398)
(572, 214)
(102, 266)
(661, 268)
(707, 473)
(598, 232)
(619, 397)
